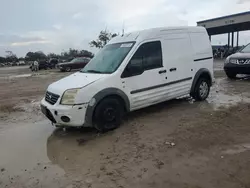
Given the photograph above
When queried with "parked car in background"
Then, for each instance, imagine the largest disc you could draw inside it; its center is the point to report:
(43, 65)
(53, 62)
(20, 63)
(238, 63)
(14, 63)
(131, 72)
(77, 63)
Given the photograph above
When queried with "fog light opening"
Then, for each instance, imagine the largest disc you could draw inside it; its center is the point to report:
(65, 119)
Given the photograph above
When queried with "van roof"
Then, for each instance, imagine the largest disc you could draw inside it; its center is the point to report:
(139, 36)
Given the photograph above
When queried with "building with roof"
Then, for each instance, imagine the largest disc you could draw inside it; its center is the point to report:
(227, 25)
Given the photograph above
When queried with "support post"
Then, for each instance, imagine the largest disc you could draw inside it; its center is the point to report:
(232, 39)
(237, 39)
(228, 41)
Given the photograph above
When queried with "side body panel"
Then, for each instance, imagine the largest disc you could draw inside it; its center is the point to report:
(178, 61)
(202, 50)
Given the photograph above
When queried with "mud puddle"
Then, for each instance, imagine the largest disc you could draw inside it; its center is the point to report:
(24, 155)
(238, 149)
(20, 76)
(226, 93)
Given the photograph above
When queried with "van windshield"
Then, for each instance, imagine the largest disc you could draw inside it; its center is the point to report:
(246, 49)
(108, 59)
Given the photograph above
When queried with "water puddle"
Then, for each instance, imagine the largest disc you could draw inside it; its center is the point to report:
(20, 76)
(238, 149)
(30, 106)
(226, 93)
(24, 153)
(224, 100)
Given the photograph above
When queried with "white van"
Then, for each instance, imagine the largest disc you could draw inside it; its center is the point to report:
(131, 72)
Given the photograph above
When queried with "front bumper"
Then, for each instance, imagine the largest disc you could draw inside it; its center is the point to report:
(75, 113)
(237, 68)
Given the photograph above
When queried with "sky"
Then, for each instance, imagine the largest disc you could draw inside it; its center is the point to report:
(57, 25)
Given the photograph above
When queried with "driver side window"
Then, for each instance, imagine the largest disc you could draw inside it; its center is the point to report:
(147, 57)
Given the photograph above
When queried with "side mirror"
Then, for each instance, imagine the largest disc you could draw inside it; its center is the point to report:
(134, 67)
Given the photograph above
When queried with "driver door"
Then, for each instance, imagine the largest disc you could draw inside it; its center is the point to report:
(144, 75)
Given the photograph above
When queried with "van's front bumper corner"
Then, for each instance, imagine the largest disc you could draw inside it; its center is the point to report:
(65, 115)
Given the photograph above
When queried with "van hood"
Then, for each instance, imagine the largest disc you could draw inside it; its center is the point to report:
(76, 80)
(240, 55)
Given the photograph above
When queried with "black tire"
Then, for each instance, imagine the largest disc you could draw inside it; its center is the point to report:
(108, 114)
(68, 69)
(202, 89)
(231, 75)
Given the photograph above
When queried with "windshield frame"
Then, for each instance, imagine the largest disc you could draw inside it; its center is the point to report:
(248, 45)
(133, 44)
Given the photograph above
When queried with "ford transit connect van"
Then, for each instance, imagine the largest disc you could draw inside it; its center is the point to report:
(131, 72)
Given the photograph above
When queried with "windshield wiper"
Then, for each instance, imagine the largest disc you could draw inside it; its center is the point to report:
(93, 71)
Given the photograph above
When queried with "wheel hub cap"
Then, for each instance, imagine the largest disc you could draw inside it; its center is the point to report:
(109, 114)
(203, 89)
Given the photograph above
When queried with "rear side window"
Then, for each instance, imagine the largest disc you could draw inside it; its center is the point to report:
(151, 55)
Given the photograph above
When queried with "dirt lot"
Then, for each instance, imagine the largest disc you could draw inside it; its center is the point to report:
(177, 144)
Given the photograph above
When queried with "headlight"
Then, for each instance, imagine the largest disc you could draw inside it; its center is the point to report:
(234, 61)
(68, 97)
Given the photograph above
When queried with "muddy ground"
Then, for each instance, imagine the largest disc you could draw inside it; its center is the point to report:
(176, 144)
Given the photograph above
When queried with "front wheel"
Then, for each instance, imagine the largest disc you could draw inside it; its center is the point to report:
(231, 75)
(108, 114)
(201, 90)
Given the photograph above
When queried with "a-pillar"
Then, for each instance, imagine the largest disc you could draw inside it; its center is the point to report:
(210, 38)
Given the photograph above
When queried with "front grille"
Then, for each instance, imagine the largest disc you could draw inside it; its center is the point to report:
(51, 97)
(243, 61)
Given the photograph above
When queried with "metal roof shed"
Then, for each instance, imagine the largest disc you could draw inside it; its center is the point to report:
(227, 24)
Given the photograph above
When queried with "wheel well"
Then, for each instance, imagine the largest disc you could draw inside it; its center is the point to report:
(119, 98)
(207, 76)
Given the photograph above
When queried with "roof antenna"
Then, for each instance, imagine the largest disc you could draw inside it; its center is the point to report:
(123, 29)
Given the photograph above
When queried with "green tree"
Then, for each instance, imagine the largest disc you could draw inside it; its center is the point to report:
(2, 59)
(103, 38)
(32, 56)
(53, 55)
(11, 57)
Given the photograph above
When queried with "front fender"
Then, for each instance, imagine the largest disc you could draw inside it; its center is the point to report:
(100, 96)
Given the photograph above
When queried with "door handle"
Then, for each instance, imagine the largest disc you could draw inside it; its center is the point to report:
(172, 69)
(162, 71)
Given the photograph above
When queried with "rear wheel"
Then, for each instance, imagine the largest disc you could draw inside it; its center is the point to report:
(231, 75)
(202, 89)
(108, 114)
